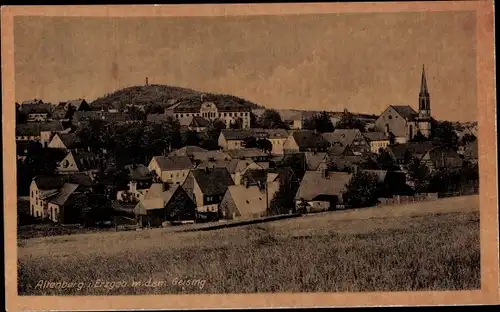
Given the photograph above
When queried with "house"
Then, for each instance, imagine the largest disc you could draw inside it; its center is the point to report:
(38, 131)
(206, 188)
(133, 193)
(81, 117)
(80, 161)
(249, 201)
(345, 163)
(43, 188)
(230, 139)
(59, 111)
(236, 167)
(171, 169)
(316, 161)
(59, 206)
(438, 158)
(195, 123)
(254, 154)
(36, 110)
(188, 151)
(403, 121)
(113, 107)
(305, 141)
(211, 108)
(198, 157)
(164, 202)
(378, 141)
(352, 138)
(157, 118)
(79, 105)
(340, 150)
(66, 141)
(277, 137)
(403, 153)
(321, 191)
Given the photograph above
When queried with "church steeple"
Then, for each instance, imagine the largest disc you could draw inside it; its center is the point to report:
(424, 101)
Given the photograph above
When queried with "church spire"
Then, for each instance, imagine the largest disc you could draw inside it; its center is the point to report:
(423, 83)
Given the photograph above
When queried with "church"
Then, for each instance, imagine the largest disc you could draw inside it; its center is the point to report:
(402, 122)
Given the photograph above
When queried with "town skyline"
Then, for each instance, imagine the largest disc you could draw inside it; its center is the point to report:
(250, 58)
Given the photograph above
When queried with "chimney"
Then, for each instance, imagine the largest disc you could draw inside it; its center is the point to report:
(147, 81)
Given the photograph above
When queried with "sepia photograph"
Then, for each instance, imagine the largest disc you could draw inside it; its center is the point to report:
(320, 152)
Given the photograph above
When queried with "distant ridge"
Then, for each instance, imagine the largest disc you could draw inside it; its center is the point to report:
(163, 95)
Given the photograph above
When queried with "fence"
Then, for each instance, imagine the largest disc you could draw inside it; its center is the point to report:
(399, 199)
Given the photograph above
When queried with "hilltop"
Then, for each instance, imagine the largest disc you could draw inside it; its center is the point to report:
(163, 95)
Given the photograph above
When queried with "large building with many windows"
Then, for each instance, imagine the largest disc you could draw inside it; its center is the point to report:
(229, 113)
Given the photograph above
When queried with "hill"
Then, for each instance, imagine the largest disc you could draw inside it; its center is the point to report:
(422, 246)
(163, 95)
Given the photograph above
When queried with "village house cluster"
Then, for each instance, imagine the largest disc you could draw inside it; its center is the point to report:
(193, 184)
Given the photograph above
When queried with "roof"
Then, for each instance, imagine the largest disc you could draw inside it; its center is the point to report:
(270, 133)
(213, 181)
(193, 105)
(405, 111)
(86, 160)
(64, 193)
(197, 121)
(34, 128)
(167, 163)
(314, 183)
(313, 160)
(236, 134)
(337, 149)
(156, 197)
(344, 162)
(76, 103)
(207, 155)
(187, 151)
(381, 174)
(232, 165)
(248, 200)
(447, 155)
(375, 136)
(416, 149)
(34, 106)
(138, 172)
(70, 140)
(121, 206)
(44, 182)
(246, 153)
(343, 137)
(88, 115)
(309, 139)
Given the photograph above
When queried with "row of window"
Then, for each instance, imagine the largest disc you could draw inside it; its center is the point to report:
(240, 114)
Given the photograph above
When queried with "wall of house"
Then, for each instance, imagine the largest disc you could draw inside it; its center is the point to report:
(359, 144)
(174, 176)
(68, 164)
(27, 138)
(228, 207)
(278, 145)
(37, 117)
(45, 137)
(397, 124)
(375, 146)
(53, 212)
(56, 143)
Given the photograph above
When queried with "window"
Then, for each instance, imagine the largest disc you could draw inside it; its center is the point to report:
(390, 116)
(182, 115)
(225, 114)
(171, 175)
(230, 114)
(31, 193)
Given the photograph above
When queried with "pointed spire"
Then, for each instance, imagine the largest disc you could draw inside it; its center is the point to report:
(423, 83)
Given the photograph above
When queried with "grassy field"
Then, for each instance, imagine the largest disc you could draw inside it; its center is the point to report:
(422, 246)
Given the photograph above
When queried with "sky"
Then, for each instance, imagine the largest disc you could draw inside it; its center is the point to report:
(362, 62)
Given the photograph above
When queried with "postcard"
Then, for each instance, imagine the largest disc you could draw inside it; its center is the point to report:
(249, 155)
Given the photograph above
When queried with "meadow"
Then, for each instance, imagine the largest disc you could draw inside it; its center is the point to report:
(420, 246)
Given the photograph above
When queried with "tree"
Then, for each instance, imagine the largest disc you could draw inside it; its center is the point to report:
(154, 108)
(271, 119)
(283, 200)
(214, 129)
(349, 121)
(320, 122)
(443, 134)
(362, 190)
(209, 144)
(386, 162)
(21, 117)
(70, 112)
(265, 145)
(418, 175)
(296, 163)
(468, 138)
(254, 123)
(190, 137)
(419, 137)
(250, 142)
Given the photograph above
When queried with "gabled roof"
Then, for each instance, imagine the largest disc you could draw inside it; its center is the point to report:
(117, 205)
(213, 181)
(236, 134)
(34, 128)
(34, 106)
(76, 103)
(375, 136)
(313, 160)
(314, 183)
(187, 151)
(232, 165)
(207, 155)
(86, 160)
(444, 156)
(64, 194)
(70, 140)
(415, 149)
(406, 111)
(472, 150)
(270, 133)
(248, 200)
(167, 163)
(45, 182)
(337, 149)
(246, 153)
(156, 197)
(345, 162)
(343, 137)
(309, 139)
(199, 122)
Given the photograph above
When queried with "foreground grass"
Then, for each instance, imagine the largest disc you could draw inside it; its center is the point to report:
(414, 247)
